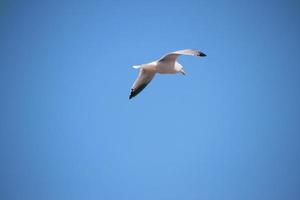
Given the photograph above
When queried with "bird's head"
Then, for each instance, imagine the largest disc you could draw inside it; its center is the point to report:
(182, 71)
(179, 68)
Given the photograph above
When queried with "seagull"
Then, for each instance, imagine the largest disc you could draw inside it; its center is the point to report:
(165, 65)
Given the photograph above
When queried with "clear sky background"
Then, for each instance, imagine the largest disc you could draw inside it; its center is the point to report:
(229, 130)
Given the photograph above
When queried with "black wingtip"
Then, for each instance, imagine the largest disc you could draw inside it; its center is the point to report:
(202, 54)
(137, 90)
(132, 94)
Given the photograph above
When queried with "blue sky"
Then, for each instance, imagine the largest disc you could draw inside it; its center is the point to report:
(228, 130)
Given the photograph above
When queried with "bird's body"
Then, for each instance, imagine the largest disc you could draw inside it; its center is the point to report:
(165, 65)
(168, 68)
(161, 67)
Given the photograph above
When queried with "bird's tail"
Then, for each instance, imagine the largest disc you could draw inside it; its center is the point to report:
(136, 66)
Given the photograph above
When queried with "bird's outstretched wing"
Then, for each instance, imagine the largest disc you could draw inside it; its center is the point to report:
(171, 57)
(143, 79)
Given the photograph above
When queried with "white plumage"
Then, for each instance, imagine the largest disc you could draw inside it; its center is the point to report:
(165, 65)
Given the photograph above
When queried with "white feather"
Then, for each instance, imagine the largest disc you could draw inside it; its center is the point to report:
(136, 66)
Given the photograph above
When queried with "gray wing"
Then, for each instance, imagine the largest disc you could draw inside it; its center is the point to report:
(141, 82)
(171, 57)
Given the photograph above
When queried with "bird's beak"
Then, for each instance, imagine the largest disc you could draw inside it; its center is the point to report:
(182, 71)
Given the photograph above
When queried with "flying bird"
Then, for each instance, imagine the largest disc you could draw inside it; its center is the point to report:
(165, 65)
